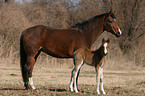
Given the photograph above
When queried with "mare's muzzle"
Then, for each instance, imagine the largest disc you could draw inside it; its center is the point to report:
(118, 34)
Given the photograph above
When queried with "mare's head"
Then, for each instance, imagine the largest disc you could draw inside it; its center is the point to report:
(110, 24)
(105, 44)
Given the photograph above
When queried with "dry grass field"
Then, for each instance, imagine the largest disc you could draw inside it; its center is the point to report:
(54, 81)
(124, 72)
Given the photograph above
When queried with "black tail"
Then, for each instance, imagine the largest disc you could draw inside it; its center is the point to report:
(23, 59)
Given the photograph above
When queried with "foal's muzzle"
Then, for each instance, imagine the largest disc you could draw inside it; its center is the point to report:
(105, 54)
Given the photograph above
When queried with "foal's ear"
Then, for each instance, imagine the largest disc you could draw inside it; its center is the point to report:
(110, 11)
(108, 40)
(103, 40)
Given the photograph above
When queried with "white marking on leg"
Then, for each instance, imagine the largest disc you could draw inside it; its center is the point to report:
(71, 85)
(31, 83)
(101, 83)
(71, 82)
(75, 81)
(105, 48)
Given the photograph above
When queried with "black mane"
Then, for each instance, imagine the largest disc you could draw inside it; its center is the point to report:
(84, 25)
(113, 16)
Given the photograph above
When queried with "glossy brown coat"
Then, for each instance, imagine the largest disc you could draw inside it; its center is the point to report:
(62, 43)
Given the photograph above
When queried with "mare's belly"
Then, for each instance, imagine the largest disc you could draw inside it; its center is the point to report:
(58, 51)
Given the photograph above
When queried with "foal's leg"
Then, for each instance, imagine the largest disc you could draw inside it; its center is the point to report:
(98, 78)
(101, 81)
(78, 65)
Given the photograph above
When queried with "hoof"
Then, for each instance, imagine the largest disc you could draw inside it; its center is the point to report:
(27, 87)
(77, 91)
(33, 88)
(71, 90)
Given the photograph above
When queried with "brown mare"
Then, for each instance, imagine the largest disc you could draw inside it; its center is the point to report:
(61, 43)
(95, 58)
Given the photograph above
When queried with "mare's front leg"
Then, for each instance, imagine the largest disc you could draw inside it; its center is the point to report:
(78, 66)
(71, 81)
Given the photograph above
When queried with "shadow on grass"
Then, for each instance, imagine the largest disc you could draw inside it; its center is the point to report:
(11, 89)
(58, 90)
(64, 90)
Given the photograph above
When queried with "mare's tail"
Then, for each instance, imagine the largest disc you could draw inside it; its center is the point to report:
(23, 59)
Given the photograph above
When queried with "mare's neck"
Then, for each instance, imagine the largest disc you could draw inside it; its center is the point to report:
(94, 30)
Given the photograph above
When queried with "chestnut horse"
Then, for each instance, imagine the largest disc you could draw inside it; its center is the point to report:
(61, 43)
(95, 58)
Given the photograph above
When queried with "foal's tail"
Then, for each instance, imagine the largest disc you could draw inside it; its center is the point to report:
(23, 58)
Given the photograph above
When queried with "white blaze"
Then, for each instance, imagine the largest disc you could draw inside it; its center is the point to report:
(120, 31)
(118, 28)
(105, 48)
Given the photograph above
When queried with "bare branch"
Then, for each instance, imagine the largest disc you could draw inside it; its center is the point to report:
(138, 26)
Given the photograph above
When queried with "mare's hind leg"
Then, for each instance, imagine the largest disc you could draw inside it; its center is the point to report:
(30, 64)
(25, 76)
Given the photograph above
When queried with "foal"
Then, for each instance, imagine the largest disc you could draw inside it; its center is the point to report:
(95, 58)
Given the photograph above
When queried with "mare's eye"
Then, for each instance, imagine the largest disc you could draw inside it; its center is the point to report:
(109, 21)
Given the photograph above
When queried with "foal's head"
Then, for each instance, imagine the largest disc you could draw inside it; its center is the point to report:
(105, 44)
(110, 24)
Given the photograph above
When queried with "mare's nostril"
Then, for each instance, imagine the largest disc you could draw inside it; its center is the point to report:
(118, 33)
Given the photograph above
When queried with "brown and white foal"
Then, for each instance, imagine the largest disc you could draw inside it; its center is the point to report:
(95, 58)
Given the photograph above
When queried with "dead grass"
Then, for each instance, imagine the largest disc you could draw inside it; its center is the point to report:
(123, 73)
(54, 81)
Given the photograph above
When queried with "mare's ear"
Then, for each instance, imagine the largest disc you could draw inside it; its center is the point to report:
(111, 11)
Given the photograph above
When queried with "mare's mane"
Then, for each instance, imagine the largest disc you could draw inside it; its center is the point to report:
(84, 25)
